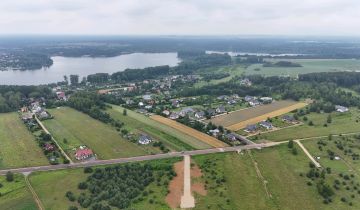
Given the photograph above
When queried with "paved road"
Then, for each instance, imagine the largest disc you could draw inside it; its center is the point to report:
(139, 158)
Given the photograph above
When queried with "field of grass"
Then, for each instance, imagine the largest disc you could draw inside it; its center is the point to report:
(15, 195)
(140, 121)
(18, 147)
(80, 129)
(52, 186)
(189, 131)
(240, 119)
(346, 166)
(308, 66)
(341, 123)
(245, 190)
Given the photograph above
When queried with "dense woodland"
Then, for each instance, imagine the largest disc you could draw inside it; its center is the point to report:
(120, 186)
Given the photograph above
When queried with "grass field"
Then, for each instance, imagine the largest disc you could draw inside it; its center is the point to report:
(189, 131)
(15, 195)
(18, 147)
(346, 165)
(240, 119)
(341, 123)
(308, 66)
(80, 129)
(245, 190)
(172, 138)
(52, 186)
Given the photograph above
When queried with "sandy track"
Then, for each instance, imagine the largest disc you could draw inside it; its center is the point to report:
(189, 131)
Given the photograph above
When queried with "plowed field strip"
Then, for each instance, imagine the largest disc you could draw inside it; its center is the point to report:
(260, 118)
(189, 131)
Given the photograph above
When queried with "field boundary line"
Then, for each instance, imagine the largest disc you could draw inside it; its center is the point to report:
(34, 195)
(260, 176)
(54, 140)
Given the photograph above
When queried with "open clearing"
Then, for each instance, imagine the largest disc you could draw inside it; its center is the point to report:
(15, 195)
(240, 119)
(171, 137)
(341, 123)
(80, 129)
(18, 147)
(243, 189)
(189, 131)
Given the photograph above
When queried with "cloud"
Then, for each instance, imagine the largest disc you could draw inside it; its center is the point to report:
(306, 17)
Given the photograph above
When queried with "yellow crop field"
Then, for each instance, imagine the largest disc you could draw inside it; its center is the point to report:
(260, 118)
(189, 131)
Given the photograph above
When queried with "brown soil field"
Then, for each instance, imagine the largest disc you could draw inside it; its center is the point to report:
(176, 186)
(239, 119)
(189, 131)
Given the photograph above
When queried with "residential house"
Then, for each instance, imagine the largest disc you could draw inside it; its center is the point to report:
(186, 111)
(266, 125)
(174, 116)
(231, 137)
(288, 118)
(341, 109)
(144, 139)
(148, 107)
(223, 97)
(251, 128)
(214, 132)
(83, 153)
(49, 147)
(245, 82)
(166, 112)
(211, 112)
(266, 100)
(175, 103)
(147, 97)
(250, 98)
(43, 115)
(61, 95)
(220, 109)
(254, 102)
(200, 115)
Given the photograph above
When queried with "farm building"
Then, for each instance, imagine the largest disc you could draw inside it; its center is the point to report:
(144, 139)
(231, 137)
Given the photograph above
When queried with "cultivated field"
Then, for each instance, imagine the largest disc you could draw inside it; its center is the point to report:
(189, 131)
(15, 195)
(18, 147)
(240, 119)
(80, 129)
(341, 123)
(171, 137)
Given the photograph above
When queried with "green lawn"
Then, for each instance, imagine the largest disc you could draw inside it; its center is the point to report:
(18, 147)
(52, 186)
(80, 129)
(15, 195)
(341, 123)
(171, 137)
(308, 66)
(245, 190)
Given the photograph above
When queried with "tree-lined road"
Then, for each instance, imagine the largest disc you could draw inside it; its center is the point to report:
(138, 158)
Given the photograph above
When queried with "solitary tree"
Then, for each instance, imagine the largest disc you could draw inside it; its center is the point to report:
(291, 144)
(9, 176)
(125, 112)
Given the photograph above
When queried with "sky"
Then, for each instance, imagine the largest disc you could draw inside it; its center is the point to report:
(181, 17)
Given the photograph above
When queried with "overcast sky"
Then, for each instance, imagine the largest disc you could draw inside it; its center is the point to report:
(181, 17)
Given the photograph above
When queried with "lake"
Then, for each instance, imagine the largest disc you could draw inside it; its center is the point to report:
(84, 66)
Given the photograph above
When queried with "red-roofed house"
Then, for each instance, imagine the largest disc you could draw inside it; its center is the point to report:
(82, 154)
